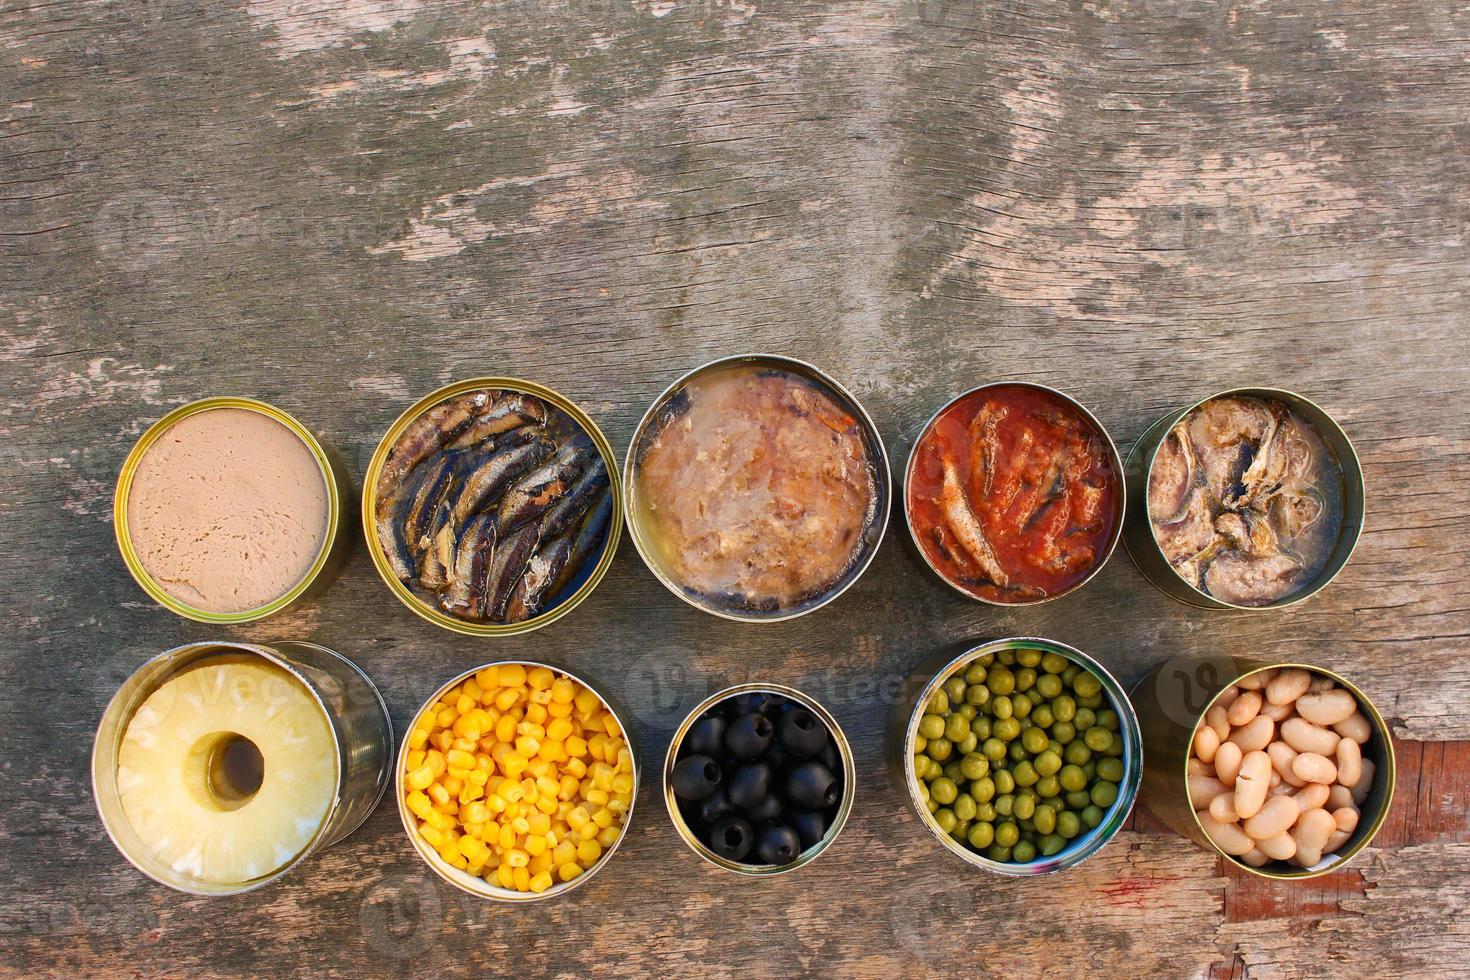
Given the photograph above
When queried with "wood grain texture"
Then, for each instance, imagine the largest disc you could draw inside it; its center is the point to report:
(337, 206)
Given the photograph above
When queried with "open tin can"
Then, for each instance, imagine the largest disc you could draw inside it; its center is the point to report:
(582, 582)
(329, 560)
(903, 730)
(362, 739)
(473, 884)
(1141, 540)
(1172, 700)
(641, 523)
(834, 828)
(1114, 513)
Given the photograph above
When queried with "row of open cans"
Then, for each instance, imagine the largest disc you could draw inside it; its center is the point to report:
(1154, 751)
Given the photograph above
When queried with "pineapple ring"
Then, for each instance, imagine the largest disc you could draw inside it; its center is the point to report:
(196, 827)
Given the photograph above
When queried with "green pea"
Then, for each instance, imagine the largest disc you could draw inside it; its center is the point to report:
(1085, 719)
(975, 673)
(981, 835)
(931, 726)
(973, 766)
(985, 811)
(1053, 663)
(955, 728)
(1108, 719)
(1089, 769)
(1069, 825)
(1051, 844)
(1028, 827)
(1070, 674)
(1025, 774)
(1041, 715)
(1055, 746)
(977, 695)
(1063, 731)
(1021, 706)
(983, 789)
(924, 794)
(955, 688)
(944, 790)
(1072, 778)
(1024, 808)
(967, 711)
(939, 703)
(1104, 794)
(931, 804)
(1025, 679)
(1077, 752)
(1028, 658)
(1006, 729)
(1110, 769)
(1007, 834)
(993, 749)
(1016, 751)
(980, 727)
(1048, 786)
(1001, 707)
(939, 748)
(964, 807)
(1000, 681)
(1048, 763)
(961, 830)
(921, 766)
(1064, 707)
(1077, 799)
(985, 659)
(1024, 852)
(1092, 815)
(997, 853)
(952, 770)
(1094, 702)
(1025, 722)
(1049, 685)
(1034, 740)
(945, 818)
(1005, 805)
(1045, 818)
(1086, 684)
(1004, 781)
(967, 744)
(1007, 657)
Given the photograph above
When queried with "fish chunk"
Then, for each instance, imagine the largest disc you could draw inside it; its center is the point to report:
(533, 588)
(489, 473)
(531, 496)
(509, 563)
(465, 596)
(1247, 581)
(966, 527)
(426, 435)
(511, 410)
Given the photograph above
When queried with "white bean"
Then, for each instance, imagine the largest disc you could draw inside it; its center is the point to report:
(1349, 762)
(1304, 736)
(1364, 784)
(1335, 842)
(1288, 685)
(1256, 681)
(1227, 762)
(1255, 735)
(1216, 719)
(1228, 837)
(1347, 818)
(1282, 847)
(1278, 712)
(1327, 708)
(1276, 817)
(1321, 683)
(1314, 768)
(1282, 756)
(1246, 707)
(1206, 743)
(1227, 697)
(1312, 796)
(1355, 727)
(1222, 808)
(1311, 832)
(1256, 858)
(1203, 789)
(1198, 768)
(1252, 783)
(1338, 797)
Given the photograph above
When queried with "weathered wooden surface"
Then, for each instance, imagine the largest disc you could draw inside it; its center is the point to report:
(339, 206)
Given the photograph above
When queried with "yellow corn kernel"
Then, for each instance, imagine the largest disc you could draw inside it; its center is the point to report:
(625, 760)
(499, 751)
(521, 825)
(443, 740)
(608, 835)
(552, 751)
(472, 847)
(527, 745)
(597, 745)
(496, 803)
(413, 760)
(528, 787)
(513, 764)
(546, 804)
(558, 710)
(419, 804)
(438, 793)
(563, 689)
(433, 835)
(536, 713)
(587, 831)
(425, 720)
(610, 722)
(440, 819)
(541, 699)
(464, 703)
(587, 702)
(558, 729)
(575, 768)
(488, 678)
(540, 678)
(539, 823)
(471, 793)
(577, 817)
(535, 845)
(568, 870)
(522, 879)
(474, 813)
(563, 852)
(619, 803)
(418, 738)
(546, 786)
(472, 688)
(480, 776)
(459, 759)
(506, 698)
(507, 837)
(603, 818)
(512, 791)
(420, 778)
(532, 728)
(505, 728)
(517, 858)
(623, 782)
(454, 784)
(602, 775)
(512, 675)
(467, 726)
(503, 876)
(540, 883)
(597, 797)
(568, 787)
(588, 852)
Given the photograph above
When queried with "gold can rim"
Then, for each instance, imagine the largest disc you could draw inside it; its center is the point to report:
(849, 781)
(881, 468)
(1389, 775)
(1355, 487)
(1118, 471)
(125, 483)
(370, 497)
(479, 887)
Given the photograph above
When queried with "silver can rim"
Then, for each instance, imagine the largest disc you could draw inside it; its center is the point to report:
(466, 882)
(881, 467)
(1118, 470)
(1096, 838)
(849, 781)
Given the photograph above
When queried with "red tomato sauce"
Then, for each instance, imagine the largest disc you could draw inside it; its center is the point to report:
(1013, 494)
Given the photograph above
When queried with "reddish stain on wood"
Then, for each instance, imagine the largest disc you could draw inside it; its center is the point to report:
(1134, 892)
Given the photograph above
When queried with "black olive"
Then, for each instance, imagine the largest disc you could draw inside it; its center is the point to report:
(828, 756)
(749, 735)
(753, 702)
(811, 785)
(777, 757)
(778, 844)
(810, 826)
(802, 732)
(749, 784)
(715, 806)
(704, 737)
(768, 809)
(731, 838)
(696, 777)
